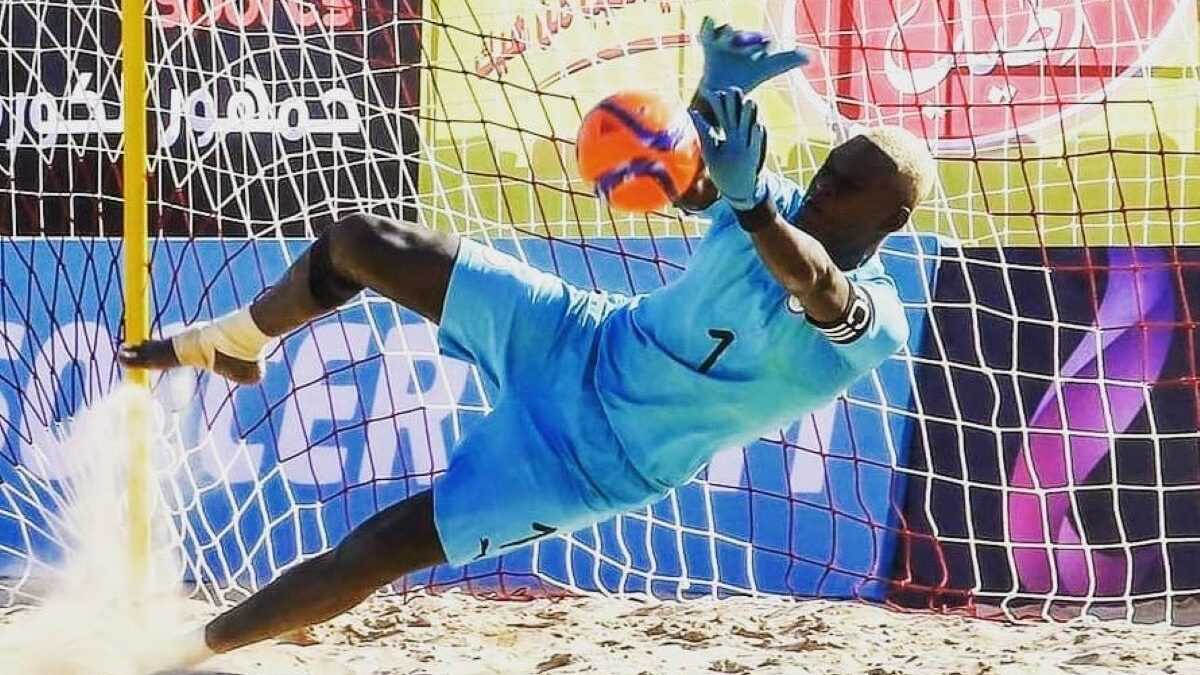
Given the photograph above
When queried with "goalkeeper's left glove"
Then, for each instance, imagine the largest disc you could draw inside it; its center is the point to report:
(735, 148)
(739, 58)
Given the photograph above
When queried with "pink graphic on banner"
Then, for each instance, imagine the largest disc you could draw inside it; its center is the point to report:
(1127, 349)
(972, 73)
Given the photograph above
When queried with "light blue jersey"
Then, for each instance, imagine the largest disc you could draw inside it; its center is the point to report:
(603, 402)
(720, 355)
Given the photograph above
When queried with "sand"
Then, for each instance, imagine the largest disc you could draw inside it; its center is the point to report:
(457, 633)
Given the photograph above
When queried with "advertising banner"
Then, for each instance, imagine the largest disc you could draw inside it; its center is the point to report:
(1059, 458)
(261, 115)
(359, 410)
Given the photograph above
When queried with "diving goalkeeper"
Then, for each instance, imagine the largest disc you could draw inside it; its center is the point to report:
(603, 402)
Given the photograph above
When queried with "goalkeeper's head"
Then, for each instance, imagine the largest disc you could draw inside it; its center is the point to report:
(867, 188)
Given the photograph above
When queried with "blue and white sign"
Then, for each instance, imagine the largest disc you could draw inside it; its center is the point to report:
(358, 410)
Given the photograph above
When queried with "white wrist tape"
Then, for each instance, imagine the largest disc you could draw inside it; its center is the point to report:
(234, 335)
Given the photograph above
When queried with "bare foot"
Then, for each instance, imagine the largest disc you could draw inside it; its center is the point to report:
(160, 355)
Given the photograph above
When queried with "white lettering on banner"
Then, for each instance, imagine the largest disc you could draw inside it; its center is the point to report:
(806, 473)
(416, 394)
(408, 430)
(77, 357)
(813, 438)
(227, 456)
(407, 416)
(406, 433)
(1042, 33)
(315, 400)
(250, 111)
(11, 336)
(41, 120)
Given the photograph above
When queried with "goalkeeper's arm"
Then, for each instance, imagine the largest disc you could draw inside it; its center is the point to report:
(732, 59)
(799, 262)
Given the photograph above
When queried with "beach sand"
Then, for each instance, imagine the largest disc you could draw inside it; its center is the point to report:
(457, 633)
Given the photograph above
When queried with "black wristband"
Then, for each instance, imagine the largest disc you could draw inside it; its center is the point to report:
(757, 217)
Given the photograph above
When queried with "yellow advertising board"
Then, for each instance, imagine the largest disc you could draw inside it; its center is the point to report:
(1063, 124)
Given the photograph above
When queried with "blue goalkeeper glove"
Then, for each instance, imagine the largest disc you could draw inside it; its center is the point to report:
(739, 58)
(734, 149)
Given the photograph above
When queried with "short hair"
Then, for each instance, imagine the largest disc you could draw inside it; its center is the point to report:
(910, 154)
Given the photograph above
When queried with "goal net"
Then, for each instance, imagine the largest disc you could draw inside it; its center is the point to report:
(1032, 451)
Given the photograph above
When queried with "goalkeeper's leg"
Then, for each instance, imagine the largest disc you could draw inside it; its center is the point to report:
(396, 541)
(407, 264)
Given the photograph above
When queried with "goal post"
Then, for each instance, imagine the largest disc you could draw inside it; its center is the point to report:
(135, 243)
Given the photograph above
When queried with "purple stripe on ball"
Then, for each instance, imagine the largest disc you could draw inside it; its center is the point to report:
(636, 168)
(665, 139)
(749, 38)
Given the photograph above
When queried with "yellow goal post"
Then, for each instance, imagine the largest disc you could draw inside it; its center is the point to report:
(135, 243)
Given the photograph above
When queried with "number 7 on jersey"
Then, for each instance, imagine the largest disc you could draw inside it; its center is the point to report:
(724, 338)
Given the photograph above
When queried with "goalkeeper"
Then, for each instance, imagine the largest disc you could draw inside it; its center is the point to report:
(602, 402)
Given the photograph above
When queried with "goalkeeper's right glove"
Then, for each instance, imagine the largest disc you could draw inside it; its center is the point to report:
(739, 58)
(735, 148)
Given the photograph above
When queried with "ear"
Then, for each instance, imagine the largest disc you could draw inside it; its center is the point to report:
(700, 195)
(900, 219)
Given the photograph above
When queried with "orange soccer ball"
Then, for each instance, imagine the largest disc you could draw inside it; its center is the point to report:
(639, 150)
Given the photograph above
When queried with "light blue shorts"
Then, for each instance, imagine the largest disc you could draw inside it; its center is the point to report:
(546, 459)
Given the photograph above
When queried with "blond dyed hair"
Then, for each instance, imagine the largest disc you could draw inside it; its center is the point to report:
(911, 156)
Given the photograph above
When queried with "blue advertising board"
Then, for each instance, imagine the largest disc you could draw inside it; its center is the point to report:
(358, 410)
